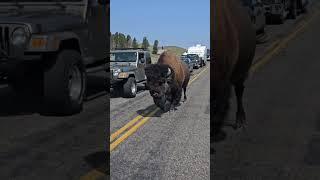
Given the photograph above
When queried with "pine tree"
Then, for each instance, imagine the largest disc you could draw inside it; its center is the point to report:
(145, 43)
(135, 43)
(128, 41)
(155, 47)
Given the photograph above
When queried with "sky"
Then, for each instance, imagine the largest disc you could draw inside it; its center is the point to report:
(182, 23)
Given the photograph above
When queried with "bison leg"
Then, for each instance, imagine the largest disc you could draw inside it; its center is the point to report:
(184, 93)
(221, 95)
(241, 115)
(177, 97)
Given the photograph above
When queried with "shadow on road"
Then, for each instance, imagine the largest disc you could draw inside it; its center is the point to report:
(146, 112)
(12, 105)
(118, 94)
(98, 161)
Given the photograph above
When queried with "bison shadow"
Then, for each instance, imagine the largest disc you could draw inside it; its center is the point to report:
(146, 112)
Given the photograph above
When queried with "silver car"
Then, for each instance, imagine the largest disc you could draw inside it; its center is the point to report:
(188, 62)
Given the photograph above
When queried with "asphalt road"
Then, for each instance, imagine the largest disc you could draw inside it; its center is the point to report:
(282, 139)
(171, 145)
(35, 146)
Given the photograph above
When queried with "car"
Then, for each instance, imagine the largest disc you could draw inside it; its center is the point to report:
(49, 53)
(256, 11)
(188, 62)
(127, 69)
(195, 59)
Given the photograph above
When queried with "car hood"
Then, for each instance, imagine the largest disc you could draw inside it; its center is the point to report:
(124, 66)
(44, 21)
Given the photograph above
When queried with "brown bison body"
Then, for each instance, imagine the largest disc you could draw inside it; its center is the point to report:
(167, 79)
(234, 45)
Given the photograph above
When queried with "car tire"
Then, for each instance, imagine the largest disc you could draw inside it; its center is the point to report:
(130, 88)
(65, 83)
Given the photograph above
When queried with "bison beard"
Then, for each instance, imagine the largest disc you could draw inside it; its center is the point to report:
(166, 79)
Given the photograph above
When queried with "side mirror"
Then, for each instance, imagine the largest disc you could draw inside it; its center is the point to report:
(142, 61)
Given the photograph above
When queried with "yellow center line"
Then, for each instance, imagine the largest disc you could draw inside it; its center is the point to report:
(92, 175)
(137, 118)
(139, 124)
(134, 126)
(132, 130)
(282, 44)
(125, 127)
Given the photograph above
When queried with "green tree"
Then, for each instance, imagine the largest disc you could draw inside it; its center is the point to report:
(155, 47)
(122, 40)
(129, 41)
(116, 40)
(135, 43)
(145, 43)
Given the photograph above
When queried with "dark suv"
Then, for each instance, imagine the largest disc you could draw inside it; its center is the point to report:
(48, 46)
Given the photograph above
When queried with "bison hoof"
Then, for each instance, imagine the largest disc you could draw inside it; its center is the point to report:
(240, 121)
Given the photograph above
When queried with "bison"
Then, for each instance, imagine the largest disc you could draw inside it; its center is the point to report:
(166, 79)
(234, 44)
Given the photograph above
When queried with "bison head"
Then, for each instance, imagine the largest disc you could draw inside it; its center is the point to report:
(159, 83)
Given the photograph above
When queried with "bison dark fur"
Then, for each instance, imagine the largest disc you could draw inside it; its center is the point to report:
(166, 80)
(234, 43)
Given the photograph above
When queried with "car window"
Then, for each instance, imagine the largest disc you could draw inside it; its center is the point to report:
(141, 55)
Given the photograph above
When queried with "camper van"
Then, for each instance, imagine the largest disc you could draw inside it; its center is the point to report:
(201, 51)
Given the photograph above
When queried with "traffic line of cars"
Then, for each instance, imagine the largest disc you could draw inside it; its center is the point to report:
(263, 12)
(127, 67)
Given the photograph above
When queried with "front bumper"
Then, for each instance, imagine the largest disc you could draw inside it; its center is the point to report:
(115, 81)
(7, 63)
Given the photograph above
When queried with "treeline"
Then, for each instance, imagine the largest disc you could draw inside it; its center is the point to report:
(120, 40)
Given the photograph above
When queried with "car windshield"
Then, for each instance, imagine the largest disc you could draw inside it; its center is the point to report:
(186, 60)
(192, 57)
(123, 57)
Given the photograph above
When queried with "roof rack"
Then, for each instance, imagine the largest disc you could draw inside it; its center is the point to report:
(130, 49)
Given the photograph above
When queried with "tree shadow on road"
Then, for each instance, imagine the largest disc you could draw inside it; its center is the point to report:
(146, 112)
(12, 105)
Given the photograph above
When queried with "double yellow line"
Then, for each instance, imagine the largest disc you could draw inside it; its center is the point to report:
(279, 44)
(133, 125)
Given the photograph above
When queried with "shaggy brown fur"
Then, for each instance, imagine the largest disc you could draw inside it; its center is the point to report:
(234, 44)
(165, 90)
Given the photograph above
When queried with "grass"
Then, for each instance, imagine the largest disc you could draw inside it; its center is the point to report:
(175, 49)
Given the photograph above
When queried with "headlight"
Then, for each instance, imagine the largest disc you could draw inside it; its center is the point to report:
(123, 75)
(116, 72)
(19, 37)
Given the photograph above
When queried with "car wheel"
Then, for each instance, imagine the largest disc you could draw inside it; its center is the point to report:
(130, 88)
(65, 83)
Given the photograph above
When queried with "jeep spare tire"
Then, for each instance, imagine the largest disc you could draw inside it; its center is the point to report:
(65, 83)
(130, 88)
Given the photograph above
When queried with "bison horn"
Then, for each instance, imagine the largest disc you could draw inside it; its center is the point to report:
(169, 72)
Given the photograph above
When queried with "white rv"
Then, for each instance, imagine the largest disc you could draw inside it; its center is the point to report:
(201, 51)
